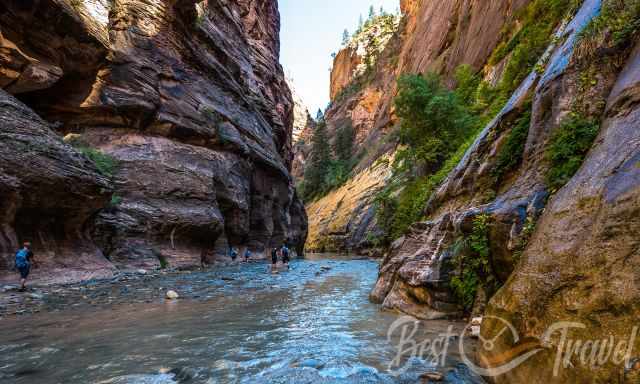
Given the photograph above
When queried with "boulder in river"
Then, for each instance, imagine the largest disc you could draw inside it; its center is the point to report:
(172, 295)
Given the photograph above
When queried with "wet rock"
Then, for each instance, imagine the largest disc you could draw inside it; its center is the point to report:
(172, 295)
(430, 377)
(415, 275)
(183, 375)
(311, 363)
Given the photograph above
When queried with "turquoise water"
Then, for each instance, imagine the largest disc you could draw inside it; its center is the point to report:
(238, 324)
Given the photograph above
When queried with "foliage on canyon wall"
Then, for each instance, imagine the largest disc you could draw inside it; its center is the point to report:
(473, 262)
(568, 148)
(510, 154)
(616, 28)
(329, 166)
(436, 124)
(435, 121)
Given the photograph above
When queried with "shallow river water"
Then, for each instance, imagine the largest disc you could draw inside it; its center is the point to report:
(237, 324)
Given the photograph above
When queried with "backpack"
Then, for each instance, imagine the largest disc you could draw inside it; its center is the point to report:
(22, 258)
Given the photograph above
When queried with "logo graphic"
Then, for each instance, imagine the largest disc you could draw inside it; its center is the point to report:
(504, 362)
(569, 352)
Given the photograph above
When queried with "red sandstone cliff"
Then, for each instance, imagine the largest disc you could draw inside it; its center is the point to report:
(189, 100)
(433, 36)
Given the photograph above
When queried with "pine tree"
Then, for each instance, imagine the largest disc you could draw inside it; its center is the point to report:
(344, 144)
(319, 161)
(360, 23)
(319, 116)
(382, 11)
(345, 37)
(372, 13)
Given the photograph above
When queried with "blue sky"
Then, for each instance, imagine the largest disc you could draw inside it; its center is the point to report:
(310, 31)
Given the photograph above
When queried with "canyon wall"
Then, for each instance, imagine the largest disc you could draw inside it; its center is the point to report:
(432, 36)
(556, 253)
(183, 107)
(559, 256)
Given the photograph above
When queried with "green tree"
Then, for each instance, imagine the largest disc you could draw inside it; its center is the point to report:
(344, 144)
(467, 82)
(345, 37)
(433, 122)
(319, 161)
(372, 13)
(319, 115)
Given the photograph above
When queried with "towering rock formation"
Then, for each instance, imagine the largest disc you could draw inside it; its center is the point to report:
(188, 101)
(431, 36)
(303, 125)
(556, 254)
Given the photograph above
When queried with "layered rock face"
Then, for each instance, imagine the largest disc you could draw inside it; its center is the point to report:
(564, 258)
(303, 126)
(433, 36)
(342, 70)
(187, 98)
(49, 192)
(581, 265)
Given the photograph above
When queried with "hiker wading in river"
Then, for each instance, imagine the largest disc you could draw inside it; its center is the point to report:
(274, 259)
(24, 260)
(285, 255)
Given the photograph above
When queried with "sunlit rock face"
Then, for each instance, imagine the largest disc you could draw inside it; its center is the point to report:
(190, 100)
(433, 36)
(303, 125)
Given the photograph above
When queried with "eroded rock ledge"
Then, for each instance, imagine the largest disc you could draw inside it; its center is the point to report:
(187, 98)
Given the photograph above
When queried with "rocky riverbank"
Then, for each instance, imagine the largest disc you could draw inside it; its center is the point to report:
(133, 287)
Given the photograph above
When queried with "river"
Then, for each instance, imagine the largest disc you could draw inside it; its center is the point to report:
(235, 324)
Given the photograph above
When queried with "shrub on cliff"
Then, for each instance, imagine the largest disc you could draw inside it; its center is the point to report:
(617, 27)
(105, 164)
(434, 122)
(472, 261)
(511, 152)
(436, 129)
(568, 147)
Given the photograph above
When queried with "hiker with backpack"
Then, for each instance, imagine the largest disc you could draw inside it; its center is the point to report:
(285, 255)
(274, 259)
(24, 260)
